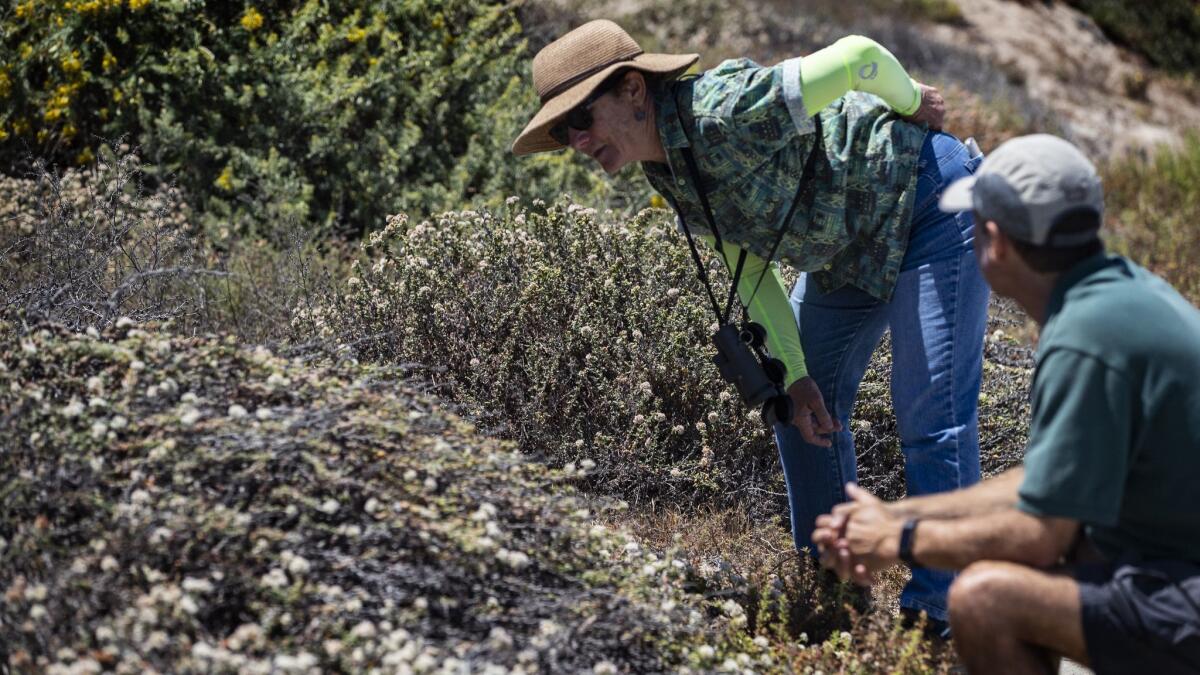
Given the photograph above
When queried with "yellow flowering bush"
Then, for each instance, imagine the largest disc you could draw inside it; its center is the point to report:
(331, 115)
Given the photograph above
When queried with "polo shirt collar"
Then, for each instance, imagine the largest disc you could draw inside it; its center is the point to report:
(1082, 270)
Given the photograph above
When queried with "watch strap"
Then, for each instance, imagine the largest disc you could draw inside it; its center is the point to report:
(908, 538)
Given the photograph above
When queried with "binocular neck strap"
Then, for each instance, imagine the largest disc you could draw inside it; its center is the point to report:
(808, 198)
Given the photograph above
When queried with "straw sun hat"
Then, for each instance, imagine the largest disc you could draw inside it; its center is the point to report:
(567, 70)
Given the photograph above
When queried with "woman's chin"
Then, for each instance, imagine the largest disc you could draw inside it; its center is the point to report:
(610, 160)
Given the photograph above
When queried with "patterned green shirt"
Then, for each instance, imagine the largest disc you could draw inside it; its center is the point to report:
(751, 134)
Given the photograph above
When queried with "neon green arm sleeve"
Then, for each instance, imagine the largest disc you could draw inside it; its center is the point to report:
(861, 64)
(770, 308)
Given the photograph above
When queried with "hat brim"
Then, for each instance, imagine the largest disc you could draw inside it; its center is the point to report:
(536, 135)
(960, 196)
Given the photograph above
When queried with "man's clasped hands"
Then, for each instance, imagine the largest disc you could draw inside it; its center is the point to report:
(861, 537)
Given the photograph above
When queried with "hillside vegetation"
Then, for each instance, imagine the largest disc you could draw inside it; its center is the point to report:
(302, 371)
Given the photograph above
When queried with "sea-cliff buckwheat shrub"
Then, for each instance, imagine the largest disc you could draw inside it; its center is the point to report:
(90, 245)
(326, 113)
(586, 337)
(579, 336)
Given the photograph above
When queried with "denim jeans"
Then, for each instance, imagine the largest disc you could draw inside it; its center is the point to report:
(937, 316)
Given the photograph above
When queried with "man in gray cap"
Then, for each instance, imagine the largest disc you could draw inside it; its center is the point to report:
(1091, 550)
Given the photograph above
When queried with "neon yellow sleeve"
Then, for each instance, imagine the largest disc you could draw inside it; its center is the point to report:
(770, 308)
(861, 64)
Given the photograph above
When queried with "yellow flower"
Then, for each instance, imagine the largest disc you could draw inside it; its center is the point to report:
(71, 64)
(135, 5)
(108, 61)
(252, 20)
(85, 157)
(657, 201)
(20, 126)
(42, 135)
(5, 84)
(117, 95)
(102, 113)
(24, 9)
(225, 180)
(26, 50)
(3, 134)
(69, 131)
(356, 34)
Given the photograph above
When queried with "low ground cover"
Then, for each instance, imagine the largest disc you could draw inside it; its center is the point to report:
(191, 505)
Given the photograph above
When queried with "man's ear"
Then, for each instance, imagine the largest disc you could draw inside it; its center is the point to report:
(999, 247)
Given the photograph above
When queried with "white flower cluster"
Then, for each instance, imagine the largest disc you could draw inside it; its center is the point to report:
(515, 560)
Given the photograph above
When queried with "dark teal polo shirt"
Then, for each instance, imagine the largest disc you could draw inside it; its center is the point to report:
(1115, 436)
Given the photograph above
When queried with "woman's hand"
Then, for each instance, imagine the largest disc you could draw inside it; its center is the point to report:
(933, 108)
(811, 415)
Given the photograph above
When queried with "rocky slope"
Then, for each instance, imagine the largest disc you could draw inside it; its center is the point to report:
(1104, 95)
(1044, 64)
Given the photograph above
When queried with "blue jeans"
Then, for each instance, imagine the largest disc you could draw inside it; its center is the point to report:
(937, 315)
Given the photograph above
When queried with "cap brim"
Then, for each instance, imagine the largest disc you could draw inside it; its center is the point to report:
(536, 135)
(959, 196)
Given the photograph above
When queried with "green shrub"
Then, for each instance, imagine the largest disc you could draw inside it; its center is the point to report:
(1164, 31)
(1153, 208)
(329, 114)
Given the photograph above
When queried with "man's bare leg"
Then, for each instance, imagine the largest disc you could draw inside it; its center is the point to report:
(1009, 618)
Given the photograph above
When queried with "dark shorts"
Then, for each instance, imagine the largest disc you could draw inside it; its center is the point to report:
(1141, 616)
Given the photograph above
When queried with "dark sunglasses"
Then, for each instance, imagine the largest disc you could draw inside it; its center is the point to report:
(578, 118)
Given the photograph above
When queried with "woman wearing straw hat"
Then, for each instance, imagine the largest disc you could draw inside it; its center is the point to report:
(835, 162)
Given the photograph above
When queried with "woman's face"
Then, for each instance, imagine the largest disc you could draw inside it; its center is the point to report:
(616, 136)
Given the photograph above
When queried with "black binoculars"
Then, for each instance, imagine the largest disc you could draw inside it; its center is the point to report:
(742, 361)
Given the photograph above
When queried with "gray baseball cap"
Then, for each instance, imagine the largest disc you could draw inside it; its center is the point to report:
(1027, 185)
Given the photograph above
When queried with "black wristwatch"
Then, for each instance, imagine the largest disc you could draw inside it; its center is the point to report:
(908, 536)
